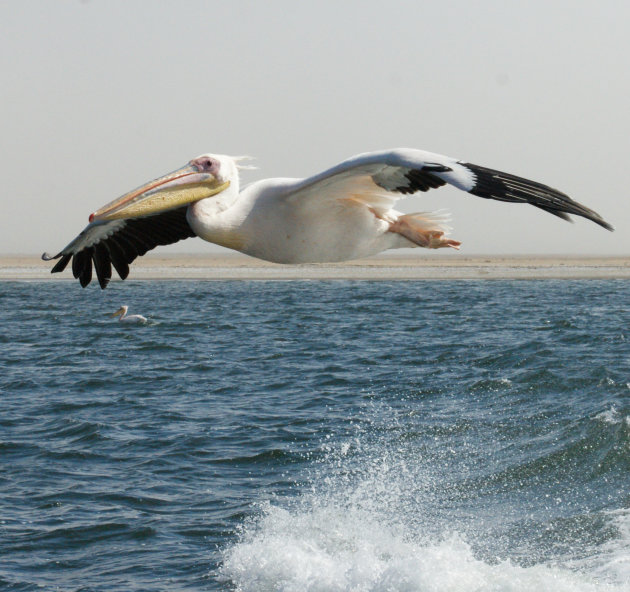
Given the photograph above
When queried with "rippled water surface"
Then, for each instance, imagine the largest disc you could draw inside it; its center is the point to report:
(345, 436)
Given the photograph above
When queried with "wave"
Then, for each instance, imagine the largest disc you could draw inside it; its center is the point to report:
(613, 416)
(377, 514)
(328, 548)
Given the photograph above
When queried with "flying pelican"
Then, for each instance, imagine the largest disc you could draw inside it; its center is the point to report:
(342, 213)
(123, 317)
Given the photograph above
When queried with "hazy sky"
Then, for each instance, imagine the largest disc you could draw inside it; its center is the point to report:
(100, 96)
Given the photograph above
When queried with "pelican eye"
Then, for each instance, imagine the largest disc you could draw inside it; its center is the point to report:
(208, 164)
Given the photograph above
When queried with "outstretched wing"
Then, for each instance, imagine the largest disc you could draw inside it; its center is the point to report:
(404, 171)
(118, 243)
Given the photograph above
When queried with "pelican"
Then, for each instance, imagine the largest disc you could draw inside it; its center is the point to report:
(345, 212)
(123, 317)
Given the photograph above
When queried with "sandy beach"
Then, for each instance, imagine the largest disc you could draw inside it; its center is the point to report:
(384, 267)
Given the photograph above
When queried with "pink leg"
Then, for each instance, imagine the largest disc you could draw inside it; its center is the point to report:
(421, 235)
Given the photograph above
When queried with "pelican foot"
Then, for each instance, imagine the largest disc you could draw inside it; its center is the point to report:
(437, 241)
(415, 228)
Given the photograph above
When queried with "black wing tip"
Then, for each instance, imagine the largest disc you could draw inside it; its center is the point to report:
(605, 224)
(593, 217)
(61, 264)
(493, 184)
(82, 267)
(118, 250)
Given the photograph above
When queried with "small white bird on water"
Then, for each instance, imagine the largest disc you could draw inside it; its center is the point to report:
(123, 317)
(342, 213)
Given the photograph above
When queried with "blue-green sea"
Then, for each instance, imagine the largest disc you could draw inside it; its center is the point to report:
(316, 436)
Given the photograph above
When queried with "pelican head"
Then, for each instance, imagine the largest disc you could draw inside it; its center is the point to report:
(122, 311)
(202, 177)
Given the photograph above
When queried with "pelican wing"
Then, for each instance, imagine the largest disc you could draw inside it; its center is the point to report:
(118, 243)
(380, 178)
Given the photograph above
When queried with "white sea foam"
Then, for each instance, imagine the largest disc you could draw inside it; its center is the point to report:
(612, 559)
(613, 416)
(332, 549)
(610, 416)
(365, 524)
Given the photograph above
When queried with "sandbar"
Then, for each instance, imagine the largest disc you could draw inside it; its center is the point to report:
(387, 266)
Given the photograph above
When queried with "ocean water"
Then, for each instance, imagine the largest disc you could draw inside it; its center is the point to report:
(316, 436)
